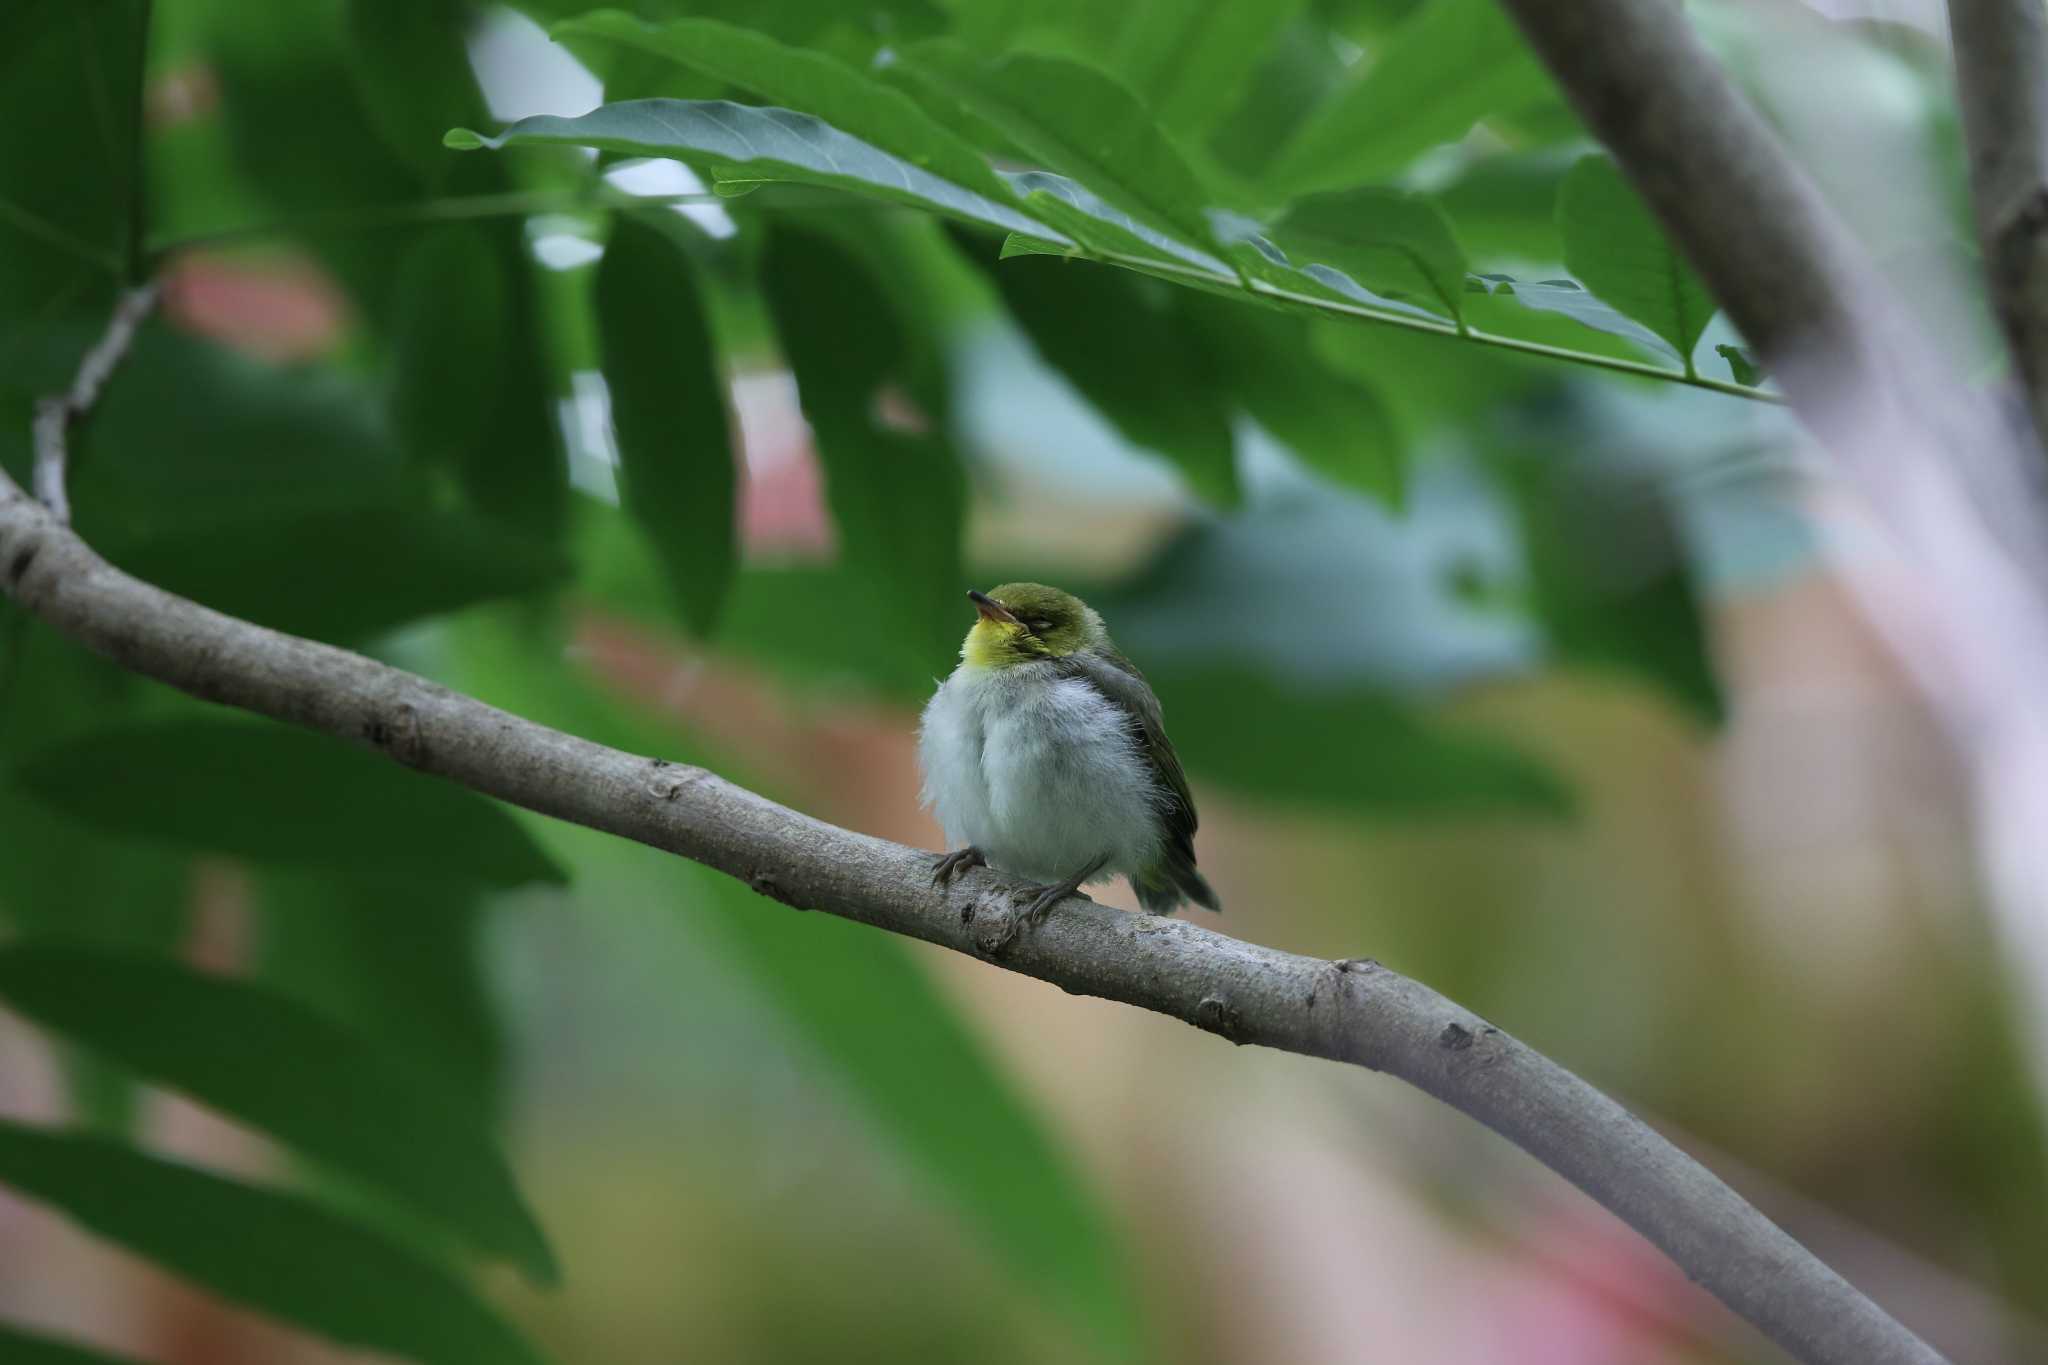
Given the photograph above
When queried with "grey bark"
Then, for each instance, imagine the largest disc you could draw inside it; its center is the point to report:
(2001, 51)
(1356, 1012)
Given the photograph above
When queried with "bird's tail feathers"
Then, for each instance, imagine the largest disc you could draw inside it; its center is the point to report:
(1174, 881)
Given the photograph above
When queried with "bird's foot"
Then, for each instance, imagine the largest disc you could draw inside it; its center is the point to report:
(1043, 898)
(951, 865)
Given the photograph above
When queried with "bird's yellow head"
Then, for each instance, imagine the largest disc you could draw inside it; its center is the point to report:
(1024, 623)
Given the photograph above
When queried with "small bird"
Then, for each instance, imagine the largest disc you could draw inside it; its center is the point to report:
(1044, 755)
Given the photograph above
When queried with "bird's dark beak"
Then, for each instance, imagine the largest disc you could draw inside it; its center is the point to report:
(990, 609)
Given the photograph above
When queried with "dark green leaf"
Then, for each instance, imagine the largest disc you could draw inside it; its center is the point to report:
(19, 1348)
(275, 795)
(677, 475)
(191, 438)
(1397, 245)
(343, 576)
(889, 1036)
(1614, 245)
(744, 144)
(413, 67)
(1337, 425)
(67, 169)
(1349, 748)
(397, 962)
(1117, 340)
(64, 881)
(1450, 65)
(818, 84)
(1608, 573)
(450, 344)
(278, 1253)
(1190, 59)
(1076, 121)
(897, 496)
(269, 1062)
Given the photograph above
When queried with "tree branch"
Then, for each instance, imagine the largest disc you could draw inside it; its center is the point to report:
(1351, 1011)
(2002, 77)
(59, 412)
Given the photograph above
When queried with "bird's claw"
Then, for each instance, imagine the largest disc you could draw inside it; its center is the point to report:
(951, 865)
(1043, 899)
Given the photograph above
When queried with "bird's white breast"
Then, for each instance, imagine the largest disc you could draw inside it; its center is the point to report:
(1041, 773)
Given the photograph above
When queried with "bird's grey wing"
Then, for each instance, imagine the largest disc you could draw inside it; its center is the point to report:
(1118, 679)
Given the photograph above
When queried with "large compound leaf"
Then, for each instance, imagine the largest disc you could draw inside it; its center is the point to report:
(1452, 63)
(800, 78)
(677, 475)
(1076, 121)
(278, 796)
(1614, 245)
(264, 1059)
(281, 1254)
(745, 146)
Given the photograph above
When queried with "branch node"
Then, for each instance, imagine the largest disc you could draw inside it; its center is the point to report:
(1220, 1017)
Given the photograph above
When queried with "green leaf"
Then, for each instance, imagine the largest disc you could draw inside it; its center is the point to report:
(413, 67)
(1396, 245)
(396, 962)
(1608, 573)
(277, 796)
(267, 1061)
(1743, 365)
(884, 1031)
(1451, 64)
(1083, 216)
(1348, 748)
(68, 170)
(1508, 303)
(449, 344)
(818, 84)
(19, 1348)
(1190, 60)
(677, 474)
(281, 1254)
(1337, 425)
(1116, 339)
(191, 437)
(897, 497)
(366, 570)
(1614, 245)
(1076, 121)
(744, 144)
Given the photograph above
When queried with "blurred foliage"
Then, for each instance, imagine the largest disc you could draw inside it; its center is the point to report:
(1285, 261)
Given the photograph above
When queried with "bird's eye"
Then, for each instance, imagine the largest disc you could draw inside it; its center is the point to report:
(1040, 623)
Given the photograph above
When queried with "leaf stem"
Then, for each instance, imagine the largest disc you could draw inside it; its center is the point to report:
(1459, 330)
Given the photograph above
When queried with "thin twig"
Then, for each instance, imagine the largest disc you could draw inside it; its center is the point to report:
(58, 413)
(2002, 78)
